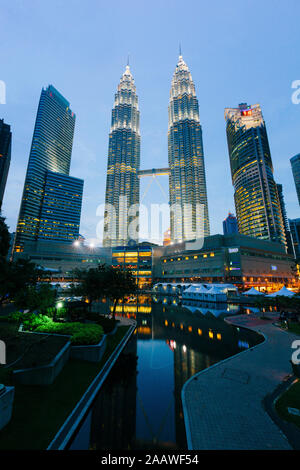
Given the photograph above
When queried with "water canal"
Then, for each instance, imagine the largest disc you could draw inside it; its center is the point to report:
(139, 406)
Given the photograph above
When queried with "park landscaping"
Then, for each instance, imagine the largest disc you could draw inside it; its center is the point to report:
(24, 350)
(40, 411)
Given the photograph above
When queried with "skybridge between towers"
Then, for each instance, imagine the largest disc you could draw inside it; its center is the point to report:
(154, 172)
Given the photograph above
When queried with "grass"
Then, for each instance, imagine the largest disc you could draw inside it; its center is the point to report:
(289, 399)
(39, 412)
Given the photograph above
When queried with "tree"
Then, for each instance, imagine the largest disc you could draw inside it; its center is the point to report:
(121, 283)
(295, 268)
(104, 281)
(92, 283)
(15, 276)
(4, 239)
(36, 298)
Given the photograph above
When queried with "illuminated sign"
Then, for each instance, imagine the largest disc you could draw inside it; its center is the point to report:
(233, 250)
(247, 112)
(274, 268)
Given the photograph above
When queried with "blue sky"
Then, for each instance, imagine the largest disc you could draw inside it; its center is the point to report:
(236, 51)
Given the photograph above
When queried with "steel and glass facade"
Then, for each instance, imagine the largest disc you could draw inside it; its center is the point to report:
(230, 225)
(5, 156)
(295, 162)
(255, 193)
(295, 232)
(122, 183)
(61, 208)
(51, 150)
(187, 183)
(286, 225)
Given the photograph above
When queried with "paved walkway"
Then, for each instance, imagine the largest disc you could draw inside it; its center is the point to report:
(223, 404)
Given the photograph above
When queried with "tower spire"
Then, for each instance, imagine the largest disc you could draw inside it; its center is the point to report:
(128, 60)
(180, 54)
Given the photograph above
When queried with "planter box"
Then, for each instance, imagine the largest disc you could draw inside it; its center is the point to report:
(91, 352)
(6, 405)
(44, 375)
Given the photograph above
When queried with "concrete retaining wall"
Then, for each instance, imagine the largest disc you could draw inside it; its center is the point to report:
(6, 406)
(90, 353)
(44, 375)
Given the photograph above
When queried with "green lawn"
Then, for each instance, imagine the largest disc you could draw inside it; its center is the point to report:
(39, 412)
(289, 399)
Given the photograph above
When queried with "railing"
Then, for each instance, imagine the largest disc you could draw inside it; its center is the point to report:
(71, 424)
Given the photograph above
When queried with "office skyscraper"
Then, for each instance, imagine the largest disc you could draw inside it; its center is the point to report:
(5, 155)
(287, 231)
(255, 193)
(295, 162)
(187, 184)
(61, 208)
(230, 224)
(122, 183)
(295, 232)
(50, 155)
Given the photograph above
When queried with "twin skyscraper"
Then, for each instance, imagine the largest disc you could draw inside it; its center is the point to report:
(187, 184)
(51, 203)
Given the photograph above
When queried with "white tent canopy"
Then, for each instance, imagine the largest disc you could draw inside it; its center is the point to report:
(252, 291)
(283, 291)
(199, 289)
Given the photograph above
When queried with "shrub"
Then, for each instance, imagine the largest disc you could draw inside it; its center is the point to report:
(107, 324)
(35, 321)
(81, 334)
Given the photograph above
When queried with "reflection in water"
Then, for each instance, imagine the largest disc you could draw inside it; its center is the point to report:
(139, 407)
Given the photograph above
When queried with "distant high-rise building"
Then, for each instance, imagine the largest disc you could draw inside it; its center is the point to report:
(167, 237)
(5, 155)
(295, 162)
(41, 215)
(255, 193)
(230, 224)
(122, 183)
(287, 231)
(295, 232)
(187, 183)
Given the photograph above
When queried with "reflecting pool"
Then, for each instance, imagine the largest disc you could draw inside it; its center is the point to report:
(139, 406)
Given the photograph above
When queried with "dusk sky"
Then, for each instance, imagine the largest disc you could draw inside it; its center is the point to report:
(236, 51)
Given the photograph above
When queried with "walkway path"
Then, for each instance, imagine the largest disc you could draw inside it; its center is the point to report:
(223, 404)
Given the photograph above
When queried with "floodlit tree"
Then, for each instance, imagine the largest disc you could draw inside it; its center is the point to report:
(104, 282)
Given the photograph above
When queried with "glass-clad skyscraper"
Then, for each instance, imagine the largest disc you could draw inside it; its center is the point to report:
(255, 193)
(230, 224)
(51, 150)
(122, 183)
(61, 208)
(5, 155)
(295, 162)
(287, 232)
(295, 233)
(187, 183)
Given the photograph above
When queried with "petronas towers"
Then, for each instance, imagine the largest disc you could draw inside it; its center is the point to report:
(187, 184)
(122, 184)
